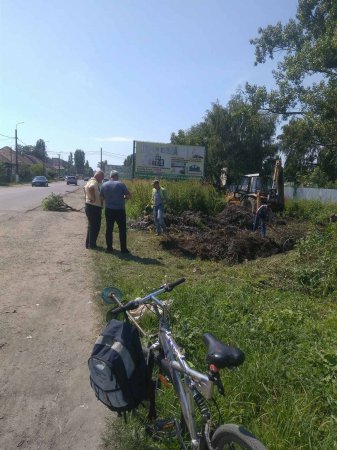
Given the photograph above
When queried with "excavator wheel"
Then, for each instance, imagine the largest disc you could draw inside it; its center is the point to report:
(249, 203)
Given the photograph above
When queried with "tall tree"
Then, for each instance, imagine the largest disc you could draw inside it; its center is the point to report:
(306, 78)
(40, 150)
(79, 159)
(238, 138)
(88, 171)
(70, 163)
(128, 161)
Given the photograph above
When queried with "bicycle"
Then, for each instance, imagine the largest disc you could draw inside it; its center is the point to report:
(193, 388)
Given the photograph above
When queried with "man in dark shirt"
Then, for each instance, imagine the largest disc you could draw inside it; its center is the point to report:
(114, 193)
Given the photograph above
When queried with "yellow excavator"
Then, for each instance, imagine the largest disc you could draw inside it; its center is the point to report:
(255, 190)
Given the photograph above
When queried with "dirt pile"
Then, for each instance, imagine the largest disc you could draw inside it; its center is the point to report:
(228, 236)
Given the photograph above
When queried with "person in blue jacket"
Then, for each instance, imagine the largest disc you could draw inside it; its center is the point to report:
(262, 216)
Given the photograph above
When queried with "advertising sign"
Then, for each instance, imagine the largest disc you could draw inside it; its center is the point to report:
(168, 160)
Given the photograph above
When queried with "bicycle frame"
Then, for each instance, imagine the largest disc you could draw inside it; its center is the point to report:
(184, 379)
(191, 387)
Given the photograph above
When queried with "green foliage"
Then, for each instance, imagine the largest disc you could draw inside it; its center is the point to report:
(128, 161)
(315, 268)
(88, 171)
(79, 158)
(307, 84)
(54, 202)
(25, 173)
(40, 149)
(238, 137)
(281, 311)
(70, 160)
(182, 196)
(3, 173)
(36, 169)
(309, 210)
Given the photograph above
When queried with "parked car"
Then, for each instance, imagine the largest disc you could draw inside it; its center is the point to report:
(40, 181)
(86, 178)
(71, 180)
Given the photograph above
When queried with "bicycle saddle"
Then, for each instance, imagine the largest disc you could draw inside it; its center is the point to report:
(222, 355)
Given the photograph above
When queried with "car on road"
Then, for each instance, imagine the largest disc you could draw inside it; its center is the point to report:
(40, 181)
(71, 180)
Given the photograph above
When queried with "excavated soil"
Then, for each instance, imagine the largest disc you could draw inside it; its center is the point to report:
(227, 237)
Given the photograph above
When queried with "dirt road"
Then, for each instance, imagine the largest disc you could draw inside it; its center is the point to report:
(48, 324)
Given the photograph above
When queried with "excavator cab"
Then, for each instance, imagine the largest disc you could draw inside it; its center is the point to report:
(254, 183)
(255, 189)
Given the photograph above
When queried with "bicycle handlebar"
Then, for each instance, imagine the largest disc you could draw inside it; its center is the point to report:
(169, 286)
(134, 304)
(127, 307)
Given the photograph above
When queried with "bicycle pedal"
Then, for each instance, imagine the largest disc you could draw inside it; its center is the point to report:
(164, 424)
(162, 380)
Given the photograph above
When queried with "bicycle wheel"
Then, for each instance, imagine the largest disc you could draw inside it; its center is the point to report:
(233, 437)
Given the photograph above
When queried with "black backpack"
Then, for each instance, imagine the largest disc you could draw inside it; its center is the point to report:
(118, 371)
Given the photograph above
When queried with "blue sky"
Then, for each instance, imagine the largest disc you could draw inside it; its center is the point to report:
(92, 74)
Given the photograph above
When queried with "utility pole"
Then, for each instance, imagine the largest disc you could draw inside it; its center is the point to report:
(16, 153)
(11, 164)
(101, 160)
(59, 166)
(16, 157)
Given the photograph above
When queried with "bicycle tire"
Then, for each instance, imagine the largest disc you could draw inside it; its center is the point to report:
(235, 437)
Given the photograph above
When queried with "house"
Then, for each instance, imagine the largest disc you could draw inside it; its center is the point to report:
(8, 159)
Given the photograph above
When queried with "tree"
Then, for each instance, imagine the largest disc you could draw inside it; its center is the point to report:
(88, 171)
(102, 165)
(70, 164)
(79, 158)
(36, 169)
(306, 77)
(128, 161)
(40, 150)
(238, 138)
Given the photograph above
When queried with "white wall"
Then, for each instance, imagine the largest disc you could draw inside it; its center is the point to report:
(323, 195)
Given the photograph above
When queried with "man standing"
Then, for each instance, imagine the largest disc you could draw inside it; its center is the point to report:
(93, 208)
(159, 198)
(114, 194)
(262, 216)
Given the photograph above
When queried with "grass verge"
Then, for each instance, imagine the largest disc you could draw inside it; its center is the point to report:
(285, 392)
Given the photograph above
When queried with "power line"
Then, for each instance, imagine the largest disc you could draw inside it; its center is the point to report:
(9, 137)
(26, 145)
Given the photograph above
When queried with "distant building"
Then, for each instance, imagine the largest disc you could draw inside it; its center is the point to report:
(8, 159)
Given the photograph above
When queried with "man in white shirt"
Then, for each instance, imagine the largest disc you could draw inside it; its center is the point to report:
(93, 208)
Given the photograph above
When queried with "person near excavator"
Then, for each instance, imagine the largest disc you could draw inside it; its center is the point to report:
(262, 217)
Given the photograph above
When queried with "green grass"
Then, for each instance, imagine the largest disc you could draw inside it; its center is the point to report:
(182, 196)
(285, 392)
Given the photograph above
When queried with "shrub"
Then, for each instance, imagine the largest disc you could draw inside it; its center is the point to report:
(182, 196)
(311, 210)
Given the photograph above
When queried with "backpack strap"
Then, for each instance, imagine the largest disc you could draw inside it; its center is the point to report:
(151, 387)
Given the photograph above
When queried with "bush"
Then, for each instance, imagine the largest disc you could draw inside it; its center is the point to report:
(309, 210)
(182, 196)
(54, 202)
(315, 267)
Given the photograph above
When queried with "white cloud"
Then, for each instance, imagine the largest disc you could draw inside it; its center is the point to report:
(114, 139)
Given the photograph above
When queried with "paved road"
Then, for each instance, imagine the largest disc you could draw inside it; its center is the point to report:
(16, 199)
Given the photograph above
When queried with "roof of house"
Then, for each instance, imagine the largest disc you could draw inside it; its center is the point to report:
(7, 155)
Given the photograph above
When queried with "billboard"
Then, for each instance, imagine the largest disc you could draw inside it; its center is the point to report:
(168, 160)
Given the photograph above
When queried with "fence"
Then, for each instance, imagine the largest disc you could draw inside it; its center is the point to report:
(323, 195)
